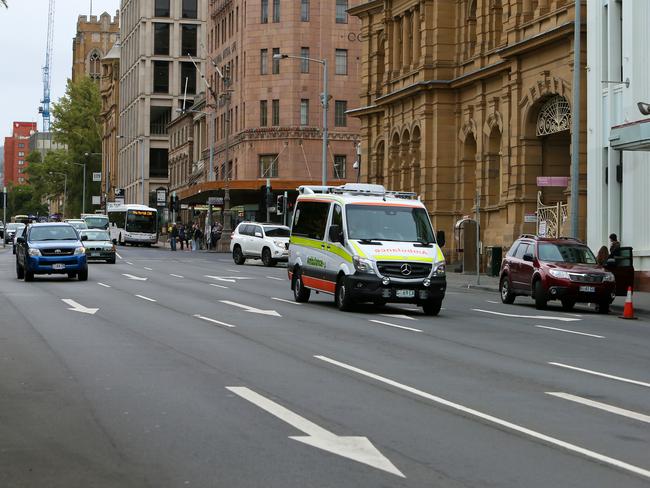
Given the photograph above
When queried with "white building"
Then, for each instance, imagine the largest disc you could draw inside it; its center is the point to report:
(618, 134)
(155, 74)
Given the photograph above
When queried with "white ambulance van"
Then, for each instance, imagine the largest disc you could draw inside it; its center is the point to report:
(362, 243)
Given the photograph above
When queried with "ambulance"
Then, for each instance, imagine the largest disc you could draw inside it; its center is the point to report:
(362, 243)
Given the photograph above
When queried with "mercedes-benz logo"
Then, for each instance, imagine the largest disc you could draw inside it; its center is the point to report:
(57, 251)
(405, 269)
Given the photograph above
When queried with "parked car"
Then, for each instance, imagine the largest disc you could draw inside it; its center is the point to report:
(2, 229)
(99, 246)
(11, 230)
(78, 224)
(268, 242)
(562, 269)
(50, 248)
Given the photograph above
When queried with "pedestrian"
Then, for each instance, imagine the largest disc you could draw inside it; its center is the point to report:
(216, 232)
(198, 235)
(188, 236)
(614, 245)
(601, 257)
(181, 236)
(173, 235)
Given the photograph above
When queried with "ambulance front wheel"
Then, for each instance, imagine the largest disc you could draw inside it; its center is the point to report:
(432, 307)
(300, 293)
(342, 297)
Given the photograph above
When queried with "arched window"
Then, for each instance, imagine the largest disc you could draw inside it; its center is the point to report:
(470, 29)
(94, 65)
(554, 116)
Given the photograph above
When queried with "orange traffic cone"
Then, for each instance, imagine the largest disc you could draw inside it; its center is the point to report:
(628, 309)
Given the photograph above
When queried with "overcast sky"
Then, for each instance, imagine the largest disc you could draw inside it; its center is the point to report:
(23, 33)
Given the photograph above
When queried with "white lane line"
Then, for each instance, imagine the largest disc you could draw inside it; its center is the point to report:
(492, 301)
(218, 286)
(104, 285)
(148, 269)
(208, 319)
(176, 276)
(535, 317)
(395, 325)
(397, 316)
(233, 270)
(128, 262)
(602, 406)
(274, 278)
(571, 331)
(604, 375)
(118, 255)
(286, 301)
(146, 298)
(601, 458)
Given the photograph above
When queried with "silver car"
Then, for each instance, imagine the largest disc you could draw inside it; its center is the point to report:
(98, 244)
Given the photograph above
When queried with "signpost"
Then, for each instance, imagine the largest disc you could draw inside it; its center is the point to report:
(97, 176)
(97, 200)
(216, 201)
(161, 197)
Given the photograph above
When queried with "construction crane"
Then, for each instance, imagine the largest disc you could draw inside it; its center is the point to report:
(44, 109)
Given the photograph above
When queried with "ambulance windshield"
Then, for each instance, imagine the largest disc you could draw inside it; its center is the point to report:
(389, 223)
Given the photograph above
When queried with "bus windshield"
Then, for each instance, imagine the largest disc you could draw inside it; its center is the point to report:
(99, 222)
(389, 223)
(143, 221)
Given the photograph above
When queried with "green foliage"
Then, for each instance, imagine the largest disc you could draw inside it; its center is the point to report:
(22, 199)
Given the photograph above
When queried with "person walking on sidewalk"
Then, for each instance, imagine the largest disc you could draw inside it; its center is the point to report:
(173, 235)
(181, 236)
(198, 235)
(216, 232)
(614, 245)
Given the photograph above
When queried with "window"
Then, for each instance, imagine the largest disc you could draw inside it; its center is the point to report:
(21, 180)
(21, 145)
(264, 113)
(521, 250)
(310, 219)
(161, 39)
(161, 76)
(304, 63)
(264, 18)
(340, 118)
(275, 115)
(21, 154)
(188, 74)
(190, 10)
(159, 118)
(304, 10)
(157, 163)
(188, 39)
(161, 8)
(276, 10)
(337, 218)
(304, 111)
(21, 162)
(341, 61)
(276, 62)
(94, 62)
(341, 11)
(339, 166)
(264, 61)
(268, 166)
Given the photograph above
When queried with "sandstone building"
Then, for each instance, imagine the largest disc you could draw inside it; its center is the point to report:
(109, 88)
(470, 97)
(94, 38)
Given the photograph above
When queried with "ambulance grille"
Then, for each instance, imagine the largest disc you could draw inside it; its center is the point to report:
(400, 269)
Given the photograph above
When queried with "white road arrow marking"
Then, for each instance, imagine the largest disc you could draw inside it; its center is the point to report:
(77, 307)
(131, 277)
(602, 406)
(252, 309)
(358, 449)
(218, 286)
(535, 317)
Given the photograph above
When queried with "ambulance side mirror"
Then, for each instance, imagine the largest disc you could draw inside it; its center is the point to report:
(440, 238)
(336, 233)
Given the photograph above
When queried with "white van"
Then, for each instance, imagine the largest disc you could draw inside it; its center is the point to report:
(362, 243)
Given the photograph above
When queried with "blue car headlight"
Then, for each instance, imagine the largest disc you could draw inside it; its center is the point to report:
(79, 250)
(34, 252)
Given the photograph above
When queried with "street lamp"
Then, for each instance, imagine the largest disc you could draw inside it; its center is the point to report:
(141, 140)
(65, 187)
(324, 101)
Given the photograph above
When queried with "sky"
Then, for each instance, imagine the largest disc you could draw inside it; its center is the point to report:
(23, 33)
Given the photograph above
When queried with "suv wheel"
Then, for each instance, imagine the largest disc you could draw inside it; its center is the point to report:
(83, 275)
(20, 271)
(266, 257)
(540, 296)
(28, 275)
(432, 307)
(505, 290)
(342, 298)
(238, 256)
(300, 293)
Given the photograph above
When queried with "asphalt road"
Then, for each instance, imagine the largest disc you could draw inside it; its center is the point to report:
(193, 371)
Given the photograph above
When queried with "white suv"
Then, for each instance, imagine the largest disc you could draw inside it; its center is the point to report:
(268, 242)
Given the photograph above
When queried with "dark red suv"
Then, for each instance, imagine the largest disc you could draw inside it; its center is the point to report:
(555, 269)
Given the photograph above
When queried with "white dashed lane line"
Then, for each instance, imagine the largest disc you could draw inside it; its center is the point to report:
(602, 406)
(274, 278)
(104, 285)
(395, 325)
(146, 298)
(148, 269)
(285, 301)
(218, 322)
(570, 331)
(175, 275)
(218, 286)
(603, 375)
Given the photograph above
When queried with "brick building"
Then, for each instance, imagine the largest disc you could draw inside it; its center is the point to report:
(95, 37)
(109, 88)
(471, 98)
(16, 150)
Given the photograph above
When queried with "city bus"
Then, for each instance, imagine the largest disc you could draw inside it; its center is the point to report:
(21, 219)
(133, 224)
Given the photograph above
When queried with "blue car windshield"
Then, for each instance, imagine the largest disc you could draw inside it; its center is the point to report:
(53, 233)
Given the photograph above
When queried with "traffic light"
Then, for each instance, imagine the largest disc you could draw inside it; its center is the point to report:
(279, 205)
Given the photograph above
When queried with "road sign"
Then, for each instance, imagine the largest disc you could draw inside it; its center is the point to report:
(161, 197)
(215, 200)
(553, 181)
(97, 200)
(530, 218)
(97, 176)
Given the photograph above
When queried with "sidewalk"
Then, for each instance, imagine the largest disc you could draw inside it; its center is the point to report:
(491, 283)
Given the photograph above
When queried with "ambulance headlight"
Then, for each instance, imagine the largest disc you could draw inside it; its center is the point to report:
(362, 265)
(439, 269)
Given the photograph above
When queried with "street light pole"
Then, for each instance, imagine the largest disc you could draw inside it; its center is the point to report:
(225, 233)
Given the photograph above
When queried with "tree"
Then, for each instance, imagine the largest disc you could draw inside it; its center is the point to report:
(23, 200)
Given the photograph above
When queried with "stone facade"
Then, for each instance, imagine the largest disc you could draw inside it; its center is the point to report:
(470, 99)
(109, 87)
(95, 37)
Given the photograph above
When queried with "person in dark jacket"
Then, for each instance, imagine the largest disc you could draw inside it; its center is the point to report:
(181, 236)
(614, 245)
(173, 235)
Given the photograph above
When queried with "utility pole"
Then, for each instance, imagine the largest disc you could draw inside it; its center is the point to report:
(325, 128)
(225, 233)
(478, 238)
(4, 216)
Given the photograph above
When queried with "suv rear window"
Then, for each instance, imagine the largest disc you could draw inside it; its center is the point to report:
(276, 231)
(565, 253)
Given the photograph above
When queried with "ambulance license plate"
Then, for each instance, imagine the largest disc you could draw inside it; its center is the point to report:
(405, 293)
(588, 289)
(58, 266)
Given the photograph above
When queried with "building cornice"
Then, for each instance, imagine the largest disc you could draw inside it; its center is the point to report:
(366, 8)
(536, 41)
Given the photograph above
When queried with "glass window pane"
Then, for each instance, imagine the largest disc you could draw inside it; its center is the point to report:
(341, 11)
(264, 14)
(161, 39)
(276, 10)
(188, 39)
(276, 62)
(263, 113)
(304, 111)
(159, 119)
(304, 11)
(341, 61)
(304, 63)
(268, 166)
(161, 77)
(276, 113)
(161, 8)
(264, 61)
(339, 166)
(188, 75)
(190, 10)
(340, 117)
(157, 163)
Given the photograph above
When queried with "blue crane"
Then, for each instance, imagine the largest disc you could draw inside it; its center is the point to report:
(45, 107)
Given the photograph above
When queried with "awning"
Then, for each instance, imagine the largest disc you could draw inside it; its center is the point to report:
(633, 136)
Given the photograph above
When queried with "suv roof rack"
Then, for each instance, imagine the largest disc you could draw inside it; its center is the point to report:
(357, 189)
(561, 238)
